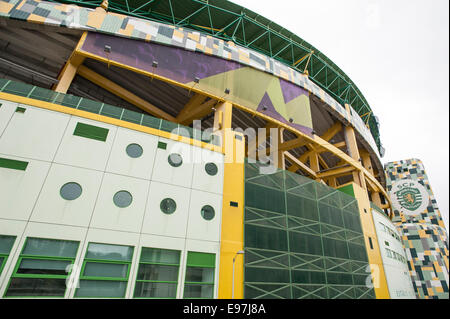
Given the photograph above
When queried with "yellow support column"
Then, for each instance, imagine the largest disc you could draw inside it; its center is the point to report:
(371, 242)
(231, 275)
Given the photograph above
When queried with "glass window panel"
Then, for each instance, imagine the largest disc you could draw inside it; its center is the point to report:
(201, 259)
(266, 275)
(43, 267)
(339, 278)
(197, 274)
(304, 243)
(308, 277)
(109, 252)
(111, 111)
(330, 215)
(301, 207)
(157, 272)
(101, 288)
(335, 248)
(162, 256)
(265, 238)
(352, 222)
(122, 199)
(198, 291)
(96, 269)
(70, 191)
(2, 259)
(264, 198)
(6, 243)
(155, 290)
(357, 252)
(50, 247)
(36, 287)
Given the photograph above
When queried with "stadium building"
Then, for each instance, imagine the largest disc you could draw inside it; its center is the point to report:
(194, 149)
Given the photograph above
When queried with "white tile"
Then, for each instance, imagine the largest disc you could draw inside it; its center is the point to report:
(85, 152)
(158, 223)
(164, 172)
(19, 189)
(121, 163)
(198, 227)
(7, 109)
(34, 134)
(201, 179)
(52, 208)
(109, 216)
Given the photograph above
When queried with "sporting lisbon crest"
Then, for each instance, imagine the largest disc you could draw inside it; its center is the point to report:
(409, 197)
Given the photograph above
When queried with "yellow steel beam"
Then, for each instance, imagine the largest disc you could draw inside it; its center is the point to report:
(198, 112)
(196, 100)
(69, 70)
(123, 93)
(291, 158)
(336, 172)
(315, 140)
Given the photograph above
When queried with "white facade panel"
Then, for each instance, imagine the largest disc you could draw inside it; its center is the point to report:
(35, 134)
(52, 208)
(164, 172)
(85, 152)
(199, 227)
(394, 258)
(158, 223)
(7, 110)
(19, 189)
(109, 216)
(121, 163)
(201, 179)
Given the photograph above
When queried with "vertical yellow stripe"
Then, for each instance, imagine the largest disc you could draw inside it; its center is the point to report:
(232, 235)
(374, 255)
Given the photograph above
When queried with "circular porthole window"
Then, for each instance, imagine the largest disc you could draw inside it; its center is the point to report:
(208, 212)
(211, 169)
(134, 150)
(122, 199)
(70, 191)
(168, 206)
(175, 160)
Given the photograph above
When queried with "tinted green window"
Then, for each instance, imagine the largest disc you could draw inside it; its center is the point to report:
(265, 238)
(13, 164)
(42, 268)
(302, 239)
(6, 243)
(122, 199)
(199, 280)
(207, 212)
(168, 206)
(301, 207)
(91, 131)
(105, 271)
(158, 273)
(70, 191)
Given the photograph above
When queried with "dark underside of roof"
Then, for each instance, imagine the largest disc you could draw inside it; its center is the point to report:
(35, 54)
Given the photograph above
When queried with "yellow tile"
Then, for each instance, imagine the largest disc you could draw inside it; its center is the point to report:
(95, 19)
(178, 34)
(6, 7)
(35, 18)
(128, 30)
(195, 37)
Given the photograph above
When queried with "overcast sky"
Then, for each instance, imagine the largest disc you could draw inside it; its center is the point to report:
(397, 53)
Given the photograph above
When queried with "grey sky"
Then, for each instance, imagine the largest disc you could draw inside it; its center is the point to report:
(397, 53)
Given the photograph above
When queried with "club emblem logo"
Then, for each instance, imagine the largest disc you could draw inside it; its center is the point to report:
(409, 197)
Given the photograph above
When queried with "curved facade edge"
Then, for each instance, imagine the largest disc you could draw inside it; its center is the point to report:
(75, 17)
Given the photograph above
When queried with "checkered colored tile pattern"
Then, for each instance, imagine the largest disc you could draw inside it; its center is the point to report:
(72, 16)
(424, 235)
